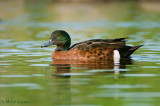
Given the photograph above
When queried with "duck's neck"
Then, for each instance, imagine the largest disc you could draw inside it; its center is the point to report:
(63, 47)
(60, 48)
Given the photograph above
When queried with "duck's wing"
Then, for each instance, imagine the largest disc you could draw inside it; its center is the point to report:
(96, 43)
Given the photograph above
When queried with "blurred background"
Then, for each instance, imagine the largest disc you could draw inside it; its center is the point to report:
(27, 72)
(35, 20)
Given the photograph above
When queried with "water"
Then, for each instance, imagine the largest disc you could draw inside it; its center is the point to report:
(28, 75)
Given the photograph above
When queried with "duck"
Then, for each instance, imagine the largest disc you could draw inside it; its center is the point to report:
(93, 49)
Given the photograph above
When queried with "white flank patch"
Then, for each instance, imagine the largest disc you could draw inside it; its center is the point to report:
(116, 56)
(116, 60)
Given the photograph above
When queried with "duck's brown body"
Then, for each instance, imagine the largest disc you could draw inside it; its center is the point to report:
(94, 54)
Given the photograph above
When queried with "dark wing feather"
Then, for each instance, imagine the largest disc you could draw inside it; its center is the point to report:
(126, 51)
(94, 43)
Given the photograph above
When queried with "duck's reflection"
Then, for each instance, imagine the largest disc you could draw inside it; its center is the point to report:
(63, 83)
(64, 66)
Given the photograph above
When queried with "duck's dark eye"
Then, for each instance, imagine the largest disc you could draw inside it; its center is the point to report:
(58, 35)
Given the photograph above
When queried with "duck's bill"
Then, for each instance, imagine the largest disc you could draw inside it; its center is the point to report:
(47, 44)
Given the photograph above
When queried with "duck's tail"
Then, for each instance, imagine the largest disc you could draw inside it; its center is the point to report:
(126, 51)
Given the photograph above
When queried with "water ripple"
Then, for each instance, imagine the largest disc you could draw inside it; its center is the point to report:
(111, 70)
(74, 74)
(115, 86)
(5, 64)
(140, 75)
(29, 85)
(19, 76)
(39, 65)
(89, 24)
(127, 94)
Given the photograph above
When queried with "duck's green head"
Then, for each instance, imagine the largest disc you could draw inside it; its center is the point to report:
(59, 38)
